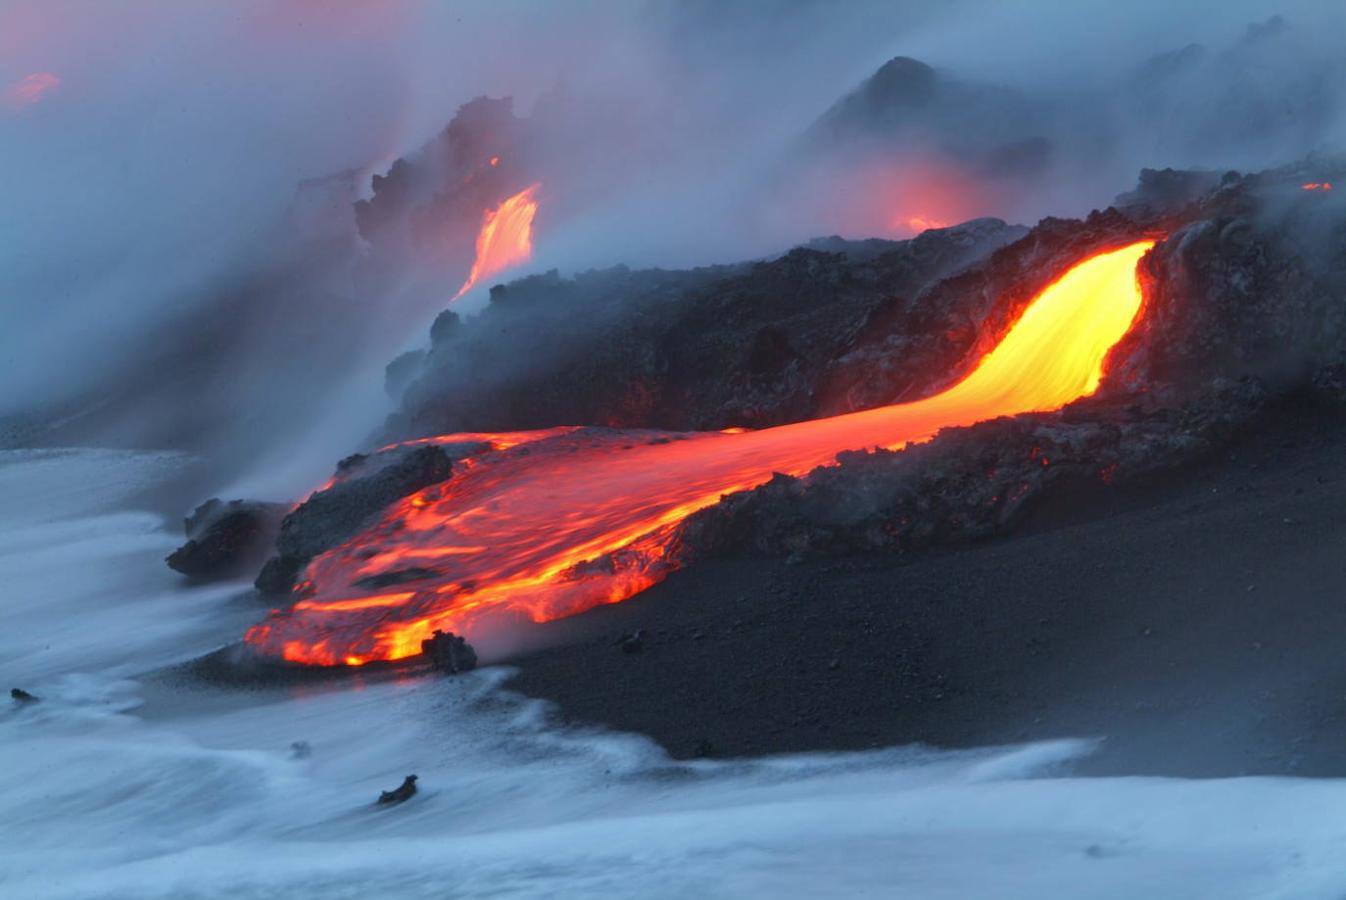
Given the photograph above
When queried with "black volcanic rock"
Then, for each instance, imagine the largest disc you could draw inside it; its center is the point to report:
(400, 794)
(968, 484)
(433, 199)
(449, 653)
(1243, 303)
(1245, 299)
(1254, 287)
(749, 345)
(913, 344)
(363, 487)
(226, 539)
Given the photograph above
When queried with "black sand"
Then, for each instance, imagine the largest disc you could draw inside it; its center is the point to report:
(1198, 625)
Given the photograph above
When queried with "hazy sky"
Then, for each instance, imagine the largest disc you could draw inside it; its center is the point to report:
(150, 149)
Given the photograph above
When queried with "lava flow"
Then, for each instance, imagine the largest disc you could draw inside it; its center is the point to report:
(505, 239)
(588, 516)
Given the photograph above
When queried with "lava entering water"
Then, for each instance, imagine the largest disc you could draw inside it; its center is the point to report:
(584, 517)
(505, 239)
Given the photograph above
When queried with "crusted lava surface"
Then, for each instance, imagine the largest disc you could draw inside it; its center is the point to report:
(751, 345)
(1191, 619)
(361, 487)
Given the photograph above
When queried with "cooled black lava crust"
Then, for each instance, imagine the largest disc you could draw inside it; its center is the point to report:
(1197, 625)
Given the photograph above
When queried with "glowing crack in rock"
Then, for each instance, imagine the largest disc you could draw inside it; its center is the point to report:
(552, 527)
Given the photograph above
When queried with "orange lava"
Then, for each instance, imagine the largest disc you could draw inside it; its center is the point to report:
(1317, 186)
(582, 517)
(505, 239)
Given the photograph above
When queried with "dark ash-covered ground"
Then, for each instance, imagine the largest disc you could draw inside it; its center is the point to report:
(1195, 623)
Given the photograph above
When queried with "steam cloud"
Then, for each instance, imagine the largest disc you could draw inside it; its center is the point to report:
(179, 255)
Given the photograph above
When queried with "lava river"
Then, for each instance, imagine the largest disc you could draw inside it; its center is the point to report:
(549, 527)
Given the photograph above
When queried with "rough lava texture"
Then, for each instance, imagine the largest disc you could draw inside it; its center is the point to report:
(970, 483)
(749, 345)
(1245, 301)
(430, 202)
(226, 539)
(362, 487)
(1244, 304)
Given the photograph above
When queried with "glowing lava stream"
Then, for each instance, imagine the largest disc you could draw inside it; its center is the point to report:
(584, 517)
(505, 239)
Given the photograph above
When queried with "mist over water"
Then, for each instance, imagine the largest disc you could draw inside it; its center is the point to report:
(128, 781)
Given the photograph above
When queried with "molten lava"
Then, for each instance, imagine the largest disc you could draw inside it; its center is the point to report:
(1317, 186)
(505, 239)
(582, 517)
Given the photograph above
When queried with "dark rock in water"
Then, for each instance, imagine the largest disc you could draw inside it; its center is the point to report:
(362, 488)
(633, 643)
(21, 696)
(449, 653)
(400, 794)
(226, 539)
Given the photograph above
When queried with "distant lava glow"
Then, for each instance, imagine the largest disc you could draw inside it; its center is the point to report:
(1316, 186)
(30, 89)
(584, 517)
(505, 239)
(917, 224)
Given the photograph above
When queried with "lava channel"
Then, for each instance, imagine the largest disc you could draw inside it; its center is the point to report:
(588, 516)
(505, 239)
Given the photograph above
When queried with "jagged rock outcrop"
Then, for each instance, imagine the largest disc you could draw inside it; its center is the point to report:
(430, 202)
(1254, 286)
(750, 345)
(1245, 304)
(362, 487)
(969, 483)
(226, 539)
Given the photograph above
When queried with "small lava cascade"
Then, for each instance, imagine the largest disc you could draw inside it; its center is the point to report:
(545, 528)
(506, 237)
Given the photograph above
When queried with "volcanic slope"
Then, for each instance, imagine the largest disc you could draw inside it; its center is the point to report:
(1193, 622)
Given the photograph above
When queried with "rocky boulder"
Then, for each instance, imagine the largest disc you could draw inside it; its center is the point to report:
(362, 487)
(226, 539)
